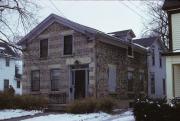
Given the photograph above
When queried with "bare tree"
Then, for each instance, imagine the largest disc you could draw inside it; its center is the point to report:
(17, 17)
(158, 24)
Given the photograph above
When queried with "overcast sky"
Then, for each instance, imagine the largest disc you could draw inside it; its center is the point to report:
(106, 16)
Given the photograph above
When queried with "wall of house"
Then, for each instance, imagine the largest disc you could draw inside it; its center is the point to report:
(8, 73)
(83, 51)
(175, 18)
(170, 61)
(159, 72)
(112, 55)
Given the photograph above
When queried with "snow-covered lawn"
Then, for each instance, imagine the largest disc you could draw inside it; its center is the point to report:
(127, 116)
(7, 114)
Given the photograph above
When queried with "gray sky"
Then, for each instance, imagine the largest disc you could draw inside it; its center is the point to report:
(106, 16)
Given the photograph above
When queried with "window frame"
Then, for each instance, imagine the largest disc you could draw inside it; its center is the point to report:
(153, 57)
(132, 51)
(142, 79)
(56, 88)
(32, 89)
(4, 84)
(152, 83)
(18, 84)
(72, 44)
(7, 60)
(40, 50)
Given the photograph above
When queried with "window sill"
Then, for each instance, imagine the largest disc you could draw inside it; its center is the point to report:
(68, 55)
(43, 58)
(130, 56)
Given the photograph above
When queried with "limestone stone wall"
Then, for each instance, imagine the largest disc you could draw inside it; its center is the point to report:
(83, 51)
(109, 54)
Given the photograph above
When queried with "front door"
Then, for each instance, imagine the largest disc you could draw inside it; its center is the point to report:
(80, 84)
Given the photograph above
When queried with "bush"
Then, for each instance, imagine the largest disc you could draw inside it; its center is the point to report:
(90, 105)
(156, 110)
(26, 102)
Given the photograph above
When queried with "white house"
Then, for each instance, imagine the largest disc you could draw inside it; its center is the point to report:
(173, 56)
(156, 66)
(10, 69)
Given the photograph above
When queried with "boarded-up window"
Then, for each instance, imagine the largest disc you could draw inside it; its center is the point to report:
(44, 48)
(6, 84)
(55, 79)
(152, 76)
(68, 45)
(35, 80)
(130, 81)
(112, 78)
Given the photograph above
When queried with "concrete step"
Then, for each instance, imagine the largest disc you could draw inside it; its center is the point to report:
(56, 108)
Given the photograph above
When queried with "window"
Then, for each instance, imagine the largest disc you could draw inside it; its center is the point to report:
(130, 51)
(160, 60)
(130, 81)
(35, 80)
(153, 57)
(152, 76)
(18, 84)
(55, 79)
(68, 45)
(44, 48)
(141, 78)
(164, 86)
(6, 84)
(7, 62)
(112, 78)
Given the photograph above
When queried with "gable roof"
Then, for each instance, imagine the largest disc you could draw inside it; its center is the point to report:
(88, 31)
(171, 4)
(146, 42)
(123, 33)
(7, 51)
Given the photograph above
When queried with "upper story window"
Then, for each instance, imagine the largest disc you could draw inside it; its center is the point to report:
(55, 79)
(68, 45)
(130, 51)
(7, 62)
(44, 48)
(153, 56)
(35, 80)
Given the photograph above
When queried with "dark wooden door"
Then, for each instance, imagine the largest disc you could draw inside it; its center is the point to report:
(80, 84)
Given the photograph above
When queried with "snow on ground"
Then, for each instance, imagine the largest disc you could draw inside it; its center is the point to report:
(7, 114)
(127, 116)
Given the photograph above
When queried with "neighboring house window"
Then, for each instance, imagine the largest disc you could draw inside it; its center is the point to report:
(35, 80)
(164, 86)
(68, 47)
(44, 48)
(6, 84)
(130, 51)
(141, 78)
(160, 60)
(18, 84)
(7, 62)
(153, 57)
(130, 81)
(112, 78)
(152, 83)
(55, 79)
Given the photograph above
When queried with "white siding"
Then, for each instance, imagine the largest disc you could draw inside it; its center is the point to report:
(9, 73)
(176, 31)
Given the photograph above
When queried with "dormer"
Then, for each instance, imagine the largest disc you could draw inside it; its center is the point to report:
(173, 10)
(126, 35)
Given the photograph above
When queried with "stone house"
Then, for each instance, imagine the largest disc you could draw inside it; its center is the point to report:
(156, 66)
(173, 55)
(64, 61)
